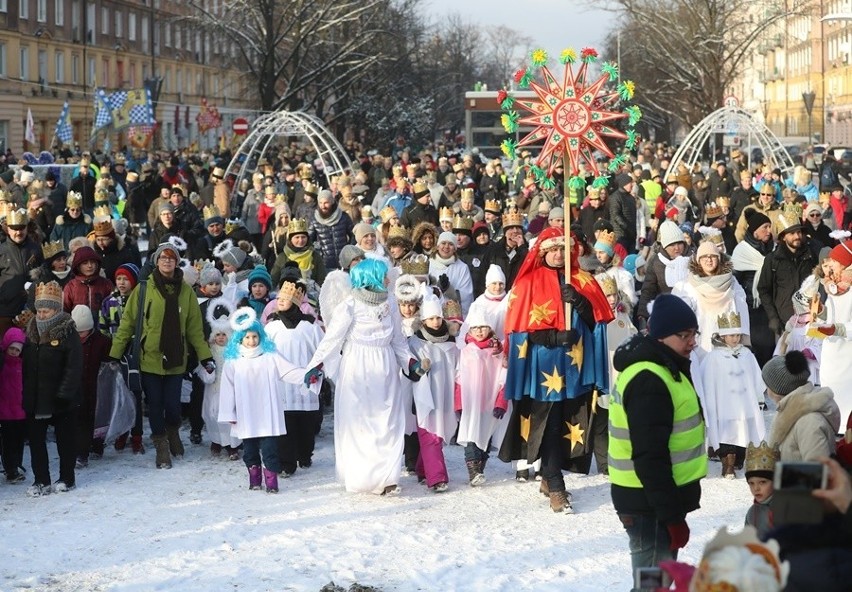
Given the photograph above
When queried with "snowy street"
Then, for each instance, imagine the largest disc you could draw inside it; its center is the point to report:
(130, 527)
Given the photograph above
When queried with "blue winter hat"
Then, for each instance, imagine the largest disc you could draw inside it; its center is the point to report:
(259, 274)
(670, 315)
(630, 263)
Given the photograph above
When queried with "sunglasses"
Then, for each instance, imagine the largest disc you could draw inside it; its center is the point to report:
(814, 215)
(768, 194)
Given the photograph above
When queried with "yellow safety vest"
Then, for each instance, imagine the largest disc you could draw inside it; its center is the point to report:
(686, 444)
(652, 192)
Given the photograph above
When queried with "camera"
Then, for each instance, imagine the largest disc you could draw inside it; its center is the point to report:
(649, 579)
(800, 476)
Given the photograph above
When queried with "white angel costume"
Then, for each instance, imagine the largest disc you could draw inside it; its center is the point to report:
(296, 345)
(218, 432)
(836, 366)
(433, 393)
(336, 287)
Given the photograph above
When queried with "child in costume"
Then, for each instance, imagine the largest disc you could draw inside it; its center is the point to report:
(13, 426)
(296, 336)
(219, 433)
(249, 398)
(795, 336)
(479, 400)
(492, 302)
(433, 395)
(759, 470)
(730, 383)
(407, 292)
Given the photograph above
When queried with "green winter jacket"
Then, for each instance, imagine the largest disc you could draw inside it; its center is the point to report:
(155, 305)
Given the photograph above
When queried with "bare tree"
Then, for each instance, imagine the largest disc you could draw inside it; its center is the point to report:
(505, 51)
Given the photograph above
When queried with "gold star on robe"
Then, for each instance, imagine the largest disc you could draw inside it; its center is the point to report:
(522, 349)
(576, 354)
(553, 382)
(512, 297)
(541, 312)
(583, 277)
(594, 401)
(526, 421)
(575, 434)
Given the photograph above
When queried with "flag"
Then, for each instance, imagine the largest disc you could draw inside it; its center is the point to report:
(208, 117)
(131, 107)
(139, 136)
(102, 116)
(29, 134)
(63, 125)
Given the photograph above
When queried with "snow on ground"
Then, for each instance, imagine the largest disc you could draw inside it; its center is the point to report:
(129, 527)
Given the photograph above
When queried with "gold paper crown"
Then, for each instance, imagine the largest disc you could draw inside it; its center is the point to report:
(101, 195)
(785, 221)
(608, 284)
(4, 195)
(420, 189)
(793, 208)
(467, 192)
(452, 310)
(415, 265)
(723, 201)
(232, 224)
(48, 250)
(102, 183)
(269, 189)
(74, 200)
(311, 189)
(492, 205)
(211, 212)
(35, 187)
(305, 171)
(713, 211)
(387, 213)
(288, 289)
(606, 237)
(102, 227)
(179, 188)
(103, 211)
(398, 232)
(761, 458)
(366, 212)
(729, 320)
(824, 197)
(445, 213)
(6, 208)
(48, 291)
(297, 226)
(462, 223)
(16, 218)
(513, 218)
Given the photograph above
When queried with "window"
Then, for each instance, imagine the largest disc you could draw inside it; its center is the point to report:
(3, 60)
(119, 73)
(75, 69)
(24, 10)
(42, 66)
(104, 81)
(3, 6)
(144, 72)
(59, 12)
(144, 32)
(24, 64)
(177, 37)
(59, 66)
(91, 37)
(168, 34)
(132, 72)
(131, 26)
(41, 11)
(4, 135)
(92, 74)
(119, 24)
(179, 79)
(105, 20)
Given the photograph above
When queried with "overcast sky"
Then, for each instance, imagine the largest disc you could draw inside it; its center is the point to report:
(553, 24)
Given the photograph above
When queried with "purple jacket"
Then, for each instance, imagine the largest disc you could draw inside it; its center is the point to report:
(12, 378)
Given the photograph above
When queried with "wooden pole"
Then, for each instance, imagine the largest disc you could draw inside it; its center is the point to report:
(566, 206)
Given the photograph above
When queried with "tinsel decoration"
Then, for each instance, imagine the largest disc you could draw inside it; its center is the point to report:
(539, 58)
(617, 162)
(630, 143)
(634, 114)
(523, 77)
(568, 56)
(625, 89)
(600, 182)
(588, 54)
(510, 121)
(577, 182)
(548, 184)
(508, 147)
(611, 70)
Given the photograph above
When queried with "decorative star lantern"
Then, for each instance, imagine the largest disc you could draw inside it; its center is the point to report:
(571, 116)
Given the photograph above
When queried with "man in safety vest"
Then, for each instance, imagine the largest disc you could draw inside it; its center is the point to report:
(657, 454)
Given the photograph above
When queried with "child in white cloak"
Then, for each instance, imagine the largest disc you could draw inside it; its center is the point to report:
(730, 381)
(249, 398)
(408, 295)
(433, 394)
(220, 331)
(479, 400)
(296, 336)
(492, 302)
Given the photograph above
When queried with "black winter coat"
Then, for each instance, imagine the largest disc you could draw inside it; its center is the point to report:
(115, 255)
(622, 214)
(53, 368)
(497, 255)
(650, 413)
(416, 213)
(330, 239)
(782, 274)
(655, 282)
(16, 263)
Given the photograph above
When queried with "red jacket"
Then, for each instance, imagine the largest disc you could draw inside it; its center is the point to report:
(91, 291)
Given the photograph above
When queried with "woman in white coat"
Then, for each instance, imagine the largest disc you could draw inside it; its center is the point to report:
(369, 419)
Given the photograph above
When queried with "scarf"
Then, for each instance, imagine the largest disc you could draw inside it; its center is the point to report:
(444, 262)
(171, 340)
(746, 258)
(45, 326)
(61, 275)
(332, 219)
(676, 269)
(303, 257)
(714, 291)
(249, 352)
(439, 335)
(368, 297)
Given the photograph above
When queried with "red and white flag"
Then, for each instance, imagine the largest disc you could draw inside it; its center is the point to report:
(29, 133)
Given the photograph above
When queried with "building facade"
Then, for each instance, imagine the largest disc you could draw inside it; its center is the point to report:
(52, 51)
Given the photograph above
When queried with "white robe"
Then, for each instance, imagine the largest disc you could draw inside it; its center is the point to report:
(619, 330)
(624, 281)
(217, 431)
(494, 311)
(836, 366)
(249, 395)
(480, 377)
(434, 393)
(459, 276)
(296, 345)
(369, 419)
(730, 387)
(336, 287)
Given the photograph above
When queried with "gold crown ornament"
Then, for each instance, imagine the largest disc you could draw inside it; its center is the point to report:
(6, 208)
(211, 211)
(178, 188)
(16, 218)
(761, 458)
(420, 189)
(723, 201)
(793, 208)
(824, 198)
(102, 183)
(606, 237)
(445, 213)
(462, 223)
(5, 196)
(787, 221)
(232, 224)
(387, 214)
(269, 190)
(513, 218)
(103, 227)
(311, 189)
(467, 193)
(48, 291)
(297, 226)
(607, 283)
(366, 212)
(74, 200)
(101, 196)
(415, 265)
(452, 310)
(289, 289)
(729, 323)
(102, 211)
(713, 211)
(398, 232)
(50, 250)
(492, 205)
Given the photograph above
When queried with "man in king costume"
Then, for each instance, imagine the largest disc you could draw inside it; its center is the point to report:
(554, 368)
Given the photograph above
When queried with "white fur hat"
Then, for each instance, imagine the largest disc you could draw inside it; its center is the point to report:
(430, 307)
(494, 274)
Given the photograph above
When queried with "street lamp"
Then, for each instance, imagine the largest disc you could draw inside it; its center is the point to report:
(808, 97)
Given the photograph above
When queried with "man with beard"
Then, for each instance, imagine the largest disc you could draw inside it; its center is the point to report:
(421, 210)
(215, 225)
(330, 228)
(784, 269)
(507, 252)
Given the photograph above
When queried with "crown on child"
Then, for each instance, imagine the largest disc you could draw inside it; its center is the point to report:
(445, 213)
(608, 284)
(761, 458)
(297, 225)
(415, 265)
(48, 250)
(729, 320)
(606, 237)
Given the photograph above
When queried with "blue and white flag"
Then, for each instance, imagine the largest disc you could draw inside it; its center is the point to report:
(63, 125)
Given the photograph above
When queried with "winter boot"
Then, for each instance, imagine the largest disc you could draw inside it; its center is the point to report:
(195, 437)
(175, 445)
(474, 473)
(136, 445)
(522, 476)
(97, 448)
(544, 488)
(121, 441)
(255, 478)
(559, 502)
(271, 479)
(728, 462)
(161, 445)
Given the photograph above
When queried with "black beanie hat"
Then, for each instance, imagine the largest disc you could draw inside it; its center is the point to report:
(670, 315)
(755, 220)
(623, 180)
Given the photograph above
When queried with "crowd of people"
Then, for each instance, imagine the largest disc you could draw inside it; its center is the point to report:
(436, 297)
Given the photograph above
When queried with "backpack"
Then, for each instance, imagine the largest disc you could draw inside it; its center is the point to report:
(828, 177)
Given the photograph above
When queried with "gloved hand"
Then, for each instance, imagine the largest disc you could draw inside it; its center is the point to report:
(567, 338)
(678, 535)
(313, 375)
(443, 282)
(209, 365)
(420, 368)
(570, 294)
(496, 346)
(498, 412)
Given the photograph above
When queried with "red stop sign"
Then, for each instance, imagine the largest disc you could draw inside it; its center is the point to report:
(240, 126)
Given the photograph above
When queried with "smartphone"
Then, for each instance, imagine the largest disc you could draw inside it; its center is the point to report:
(800, 476)
(650, 579)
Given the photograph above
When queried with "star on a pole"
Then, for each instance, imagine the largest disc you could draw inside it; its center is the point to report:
(575, 434)
(553, 382)
(541, 312)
